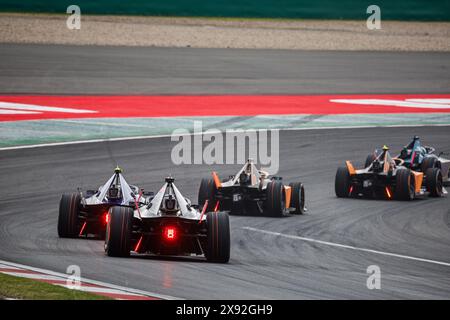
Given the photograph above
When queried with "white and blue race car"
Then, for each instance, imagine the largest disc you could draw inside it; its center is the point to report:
(87, 215)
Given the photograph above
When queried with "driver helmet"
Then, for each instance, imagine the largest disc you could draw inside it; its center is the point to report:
(405, 153)
(114, 192)
(170, 203)
(244, 178)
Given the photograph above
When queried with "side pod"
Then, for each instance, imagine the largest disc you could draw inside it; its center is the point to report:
(350, 168)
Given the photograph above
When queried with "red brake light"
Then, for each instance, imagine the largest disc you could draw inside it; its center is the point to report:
(107, 218)
(388, 193)
(82, 228)
(170, 233)
(138, 245)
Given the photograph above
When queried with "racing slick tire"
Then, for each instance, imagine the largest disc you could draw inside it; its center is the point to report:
(342, 183)
(434, 182)
(404, 189)
(218, 243)
(298, 197)
(370, 158)
(207, 191)
(275, 199)
(68, 218)
(429, 162)
(118, 232)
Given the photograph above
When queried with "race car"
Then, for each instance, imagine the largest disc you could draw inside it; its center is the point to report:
(387, 177)
(86, 215)
(421, 158)
(252, 191)
(168, 225)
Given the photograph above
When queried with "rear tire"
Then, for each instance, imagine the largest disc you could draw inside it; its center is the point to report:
(434, 182)
(429, 162)
(68, 220)
(218, 243)
(404, 189)
(370, 158)
(207, 191)
(342, 183)
(118, 232)
(275, 201)
(297, 197)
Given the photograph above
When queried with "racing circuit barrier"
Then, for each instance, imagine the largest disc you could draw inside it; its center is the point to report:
(421, 10)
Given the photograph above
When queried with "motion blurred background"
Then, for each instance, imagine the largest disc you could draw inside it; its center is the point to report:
(408, 10)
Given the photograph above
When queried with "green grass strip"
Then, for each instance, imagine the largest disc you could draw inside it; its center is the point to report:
(23, 288)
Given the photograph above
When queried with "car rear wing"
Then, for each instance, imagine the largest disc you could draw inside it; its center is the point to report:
(127, 193)
(248, 167)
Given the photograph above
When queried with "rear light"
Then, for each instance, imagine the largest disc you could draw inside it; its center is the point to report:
(136, 249)
(388, 193)
(82, 229)
(170, 233)
(106, 218)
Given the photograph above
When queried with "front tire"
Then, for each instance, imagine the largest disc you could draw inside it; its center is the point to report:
(434, 182)
(298, 197)
(118, 232)
(342, 183)
(275, 199)
(218, 243)
(404, 189)
(207, 191)
(68, 218)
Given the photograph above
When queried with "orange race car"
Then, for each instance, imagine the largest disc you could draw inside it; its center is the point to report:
(388, 178)
(252, 191)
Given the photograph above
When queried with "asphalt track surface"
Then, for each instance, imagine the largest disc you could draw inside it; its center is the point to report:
(59, 69)
(262, 265)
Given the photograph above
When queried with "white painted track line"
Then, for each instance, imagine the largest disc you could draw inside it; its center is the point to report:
(31, 108)
(55, 144)
(48, 275)
(338, 245)
(100, 290)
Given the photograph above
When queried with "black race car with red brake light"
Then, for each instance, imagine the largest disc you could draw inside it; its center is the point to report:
(252, 191)
(168, 225)
(87, 215)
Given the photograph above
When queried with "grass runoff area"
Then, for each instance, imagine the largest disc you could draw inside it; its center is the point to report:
(407, 10)
(22, 288)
